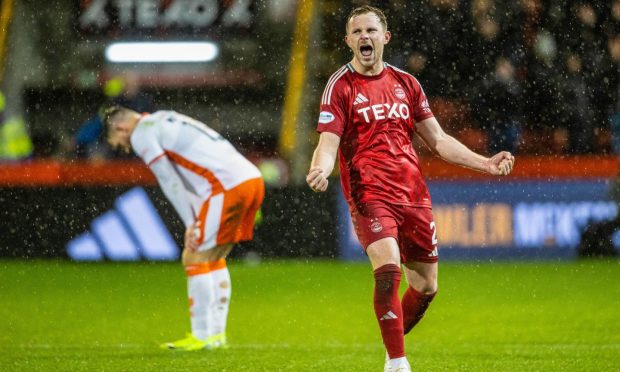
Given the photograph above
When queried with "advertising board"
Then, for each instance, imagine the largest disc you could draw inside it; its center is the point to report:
(486, 219)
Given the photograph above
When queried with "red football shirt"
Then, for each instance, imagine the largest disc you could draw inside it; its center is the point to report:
(375, 117)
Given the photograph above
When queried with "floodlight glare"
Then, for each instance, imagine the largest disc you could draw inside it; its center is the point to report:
(161, 52)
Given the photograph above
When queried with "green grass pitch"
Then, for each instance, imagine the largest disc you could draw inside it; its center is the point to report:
(309, 316)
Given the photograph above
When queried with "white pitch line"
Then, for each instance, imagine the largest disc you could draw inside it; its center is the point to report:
(236, 346)
(368, 345)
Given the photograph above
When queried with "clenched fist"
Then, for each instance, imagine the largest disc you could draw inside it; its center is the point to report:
(317, 180)
(501, 164)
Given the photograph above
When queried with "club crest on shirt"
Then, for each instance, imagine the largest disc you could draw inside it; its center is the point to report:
(400, 93)
(376, 226)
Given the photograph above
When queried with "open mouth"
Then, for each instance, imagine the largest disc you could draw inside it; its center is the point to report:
(366, 50)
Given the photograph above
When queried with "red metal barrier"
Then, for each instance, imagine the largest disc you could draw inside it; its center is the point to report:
(102, 173)
(53, 173)
(532, 167)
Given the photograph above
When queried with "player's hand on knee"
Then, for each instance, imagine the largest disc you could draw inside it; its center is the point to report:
(501, 164)
(192, 234)
(317, 180)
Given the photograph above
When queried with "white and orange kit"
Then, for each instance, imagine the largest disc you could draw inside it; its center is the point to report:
(205, 178)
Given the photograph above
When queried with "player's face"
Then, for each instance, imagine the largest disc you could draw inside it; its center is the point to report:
(119, 136)
(366, 37)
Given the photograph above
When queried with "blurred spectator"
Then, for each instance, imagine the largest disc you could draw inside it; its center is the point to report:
(484, 42)
(613, 46)
(435, 30)
(565, 56)
(416, 65)
(598, 238)
(530, 15)
(541, 104)
(498, 107)
(585, 37)
(121, 90)
(611, 24)
(15, 143)
(576, 113)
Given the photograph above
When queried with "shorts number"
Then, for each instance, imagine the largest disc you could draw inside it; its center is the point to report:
(434, 228)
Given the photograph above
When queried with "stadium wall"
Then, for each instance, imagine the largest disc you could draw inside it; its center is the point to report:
(39, 222)
(518, 219)
(538, 212)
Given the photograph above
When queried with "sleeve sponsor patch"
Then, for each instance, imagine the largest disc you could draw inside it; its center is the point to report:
(326, 117)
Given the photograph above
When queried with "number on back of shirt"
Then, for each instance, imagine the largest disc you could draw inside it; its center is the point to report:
(201, 127)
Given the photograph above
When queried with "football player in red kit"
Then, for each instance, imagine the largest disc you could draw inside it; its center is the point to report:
(369, 113)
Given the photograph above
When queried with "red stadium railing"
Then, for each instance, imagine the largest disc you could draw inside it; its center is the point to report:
(532, 167)
(102, 173)
(55, 173)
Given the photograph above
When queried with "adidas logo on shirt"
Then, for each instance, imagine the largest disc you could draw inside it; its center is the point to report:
(360, 99)
(388, 316)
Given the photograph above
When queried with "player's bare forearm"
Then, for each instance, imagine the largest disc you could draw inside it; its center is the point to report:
(453, 151)
(323, 161)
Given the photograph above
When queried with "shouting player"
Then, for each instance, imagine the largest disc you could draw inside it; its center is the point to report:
(369, 113)
(215, 191)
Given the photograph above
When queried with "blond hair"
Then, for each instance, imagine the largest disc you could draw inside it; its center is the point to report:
(368, 9)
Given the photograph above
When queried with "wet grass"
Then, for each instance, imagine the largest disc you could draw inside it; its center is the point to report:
(310, 316)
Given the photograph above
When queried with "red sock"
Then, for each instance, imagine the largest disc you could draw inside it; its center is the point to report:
(388, 309)
(414, 306)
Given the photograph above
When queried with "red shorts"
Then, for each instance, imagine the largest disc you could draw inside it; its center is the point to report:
(412, 227)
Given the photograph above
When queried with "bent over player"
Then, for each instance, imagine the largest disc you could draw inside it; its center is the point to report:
(369, 113)
(216, 192)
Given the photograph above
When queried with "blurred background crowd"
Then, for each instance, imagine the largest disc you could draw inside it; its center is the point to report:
(529, 76)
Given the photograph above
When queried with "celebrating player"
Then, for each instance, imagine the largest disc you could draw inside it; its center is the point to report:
(368, 115)
(216, 192)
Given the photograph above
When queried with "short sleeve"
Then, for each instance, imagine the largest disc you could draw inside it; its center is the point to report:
(332, 116)
(145, 142)
(421, 108)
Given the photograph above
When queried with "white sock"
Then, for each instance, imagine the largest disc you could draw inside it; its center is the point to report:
(222, 289)
(200, 290)
(397, 362)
